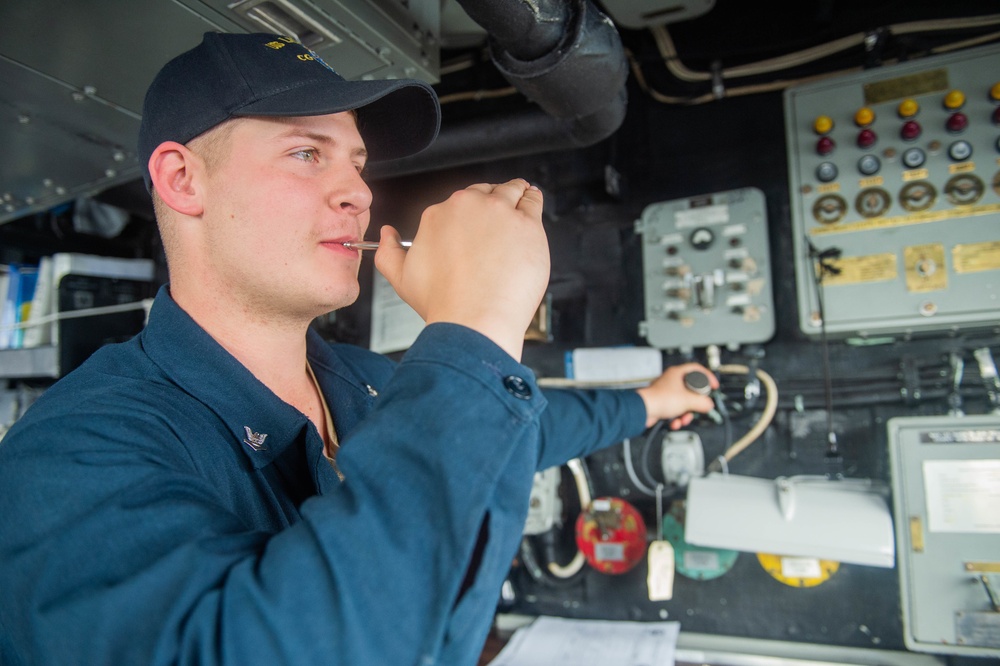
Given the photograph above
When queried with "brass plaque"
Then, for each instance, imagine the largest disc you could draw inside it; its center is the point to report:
(976, 257)
(925, 269)
(911, 85)
(917, 534)
(910, 218)
(915, 174)
(857, 270)
(982, 567)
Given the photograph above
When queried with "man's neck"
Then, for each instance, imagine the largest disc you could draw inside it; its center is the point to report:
(272, 348)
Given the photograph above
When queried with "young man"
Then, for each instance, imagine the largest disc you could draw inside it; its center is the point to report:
(229, 488)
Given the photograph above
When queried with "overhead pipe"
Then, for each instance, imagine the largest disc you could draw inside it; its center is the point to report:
(565, 56)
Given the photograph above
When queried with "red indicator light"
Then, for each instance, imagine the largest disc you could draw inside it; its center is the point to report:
(910, 130)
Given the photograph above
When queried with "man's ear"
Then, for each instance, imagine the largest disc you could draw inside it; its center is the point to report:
(175, 171)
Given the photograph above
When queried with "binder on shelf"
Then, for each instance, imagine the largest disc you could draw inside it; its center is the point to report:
(4, 313)
(20, 289)
(78, 282)
(41, 306)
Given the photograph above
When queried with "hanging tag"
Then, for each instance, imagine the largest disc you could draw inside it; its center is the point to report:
(660, 579)
(660, 576)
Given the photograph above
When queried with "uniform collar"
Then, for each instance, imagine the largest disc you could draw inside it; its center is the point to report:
(200, 366)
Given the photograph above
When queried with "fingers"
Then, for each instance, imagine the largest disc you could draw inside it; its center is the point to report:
(668, 398)
(514, 191)
(390, 255)
(515, 185)
(531, 202)
(518, 192)
(460, 273)
(681, 421)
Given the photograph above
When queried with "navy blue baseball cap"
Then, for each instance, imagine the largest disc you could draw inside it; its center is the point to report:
(233, 75)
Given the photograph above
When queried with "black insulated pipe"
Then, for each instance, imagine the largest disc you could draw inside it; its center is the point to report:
(528, 30)
(579, 75)
(563, 55)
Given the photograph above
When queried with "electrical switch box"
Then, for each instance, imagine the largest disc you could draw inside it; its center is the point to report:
(946, 492)
(707, 271)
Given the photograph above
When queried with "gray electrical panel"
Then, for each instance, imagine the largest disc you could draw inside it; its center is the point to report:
(946, 491)
(707, 271)
(896, 170)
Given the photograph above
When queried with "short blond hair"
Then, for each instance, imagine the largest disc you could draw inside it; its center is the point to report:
(212, 146)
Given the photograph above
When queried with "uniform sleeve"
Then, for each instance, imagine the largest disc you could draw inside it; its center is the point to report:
(145, 565)
(576, 423)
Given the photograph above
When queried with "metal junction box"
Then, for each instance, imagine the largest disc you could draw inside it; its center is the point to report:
(707, 271)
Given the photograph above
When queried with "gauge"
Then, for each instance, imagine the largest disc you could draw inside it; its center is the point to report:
(918, 195)
(829, 209)
(872, 202)
(964, 189)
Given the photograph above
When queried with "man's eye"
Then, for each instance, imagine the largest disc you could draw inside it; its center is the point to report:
(306, 154)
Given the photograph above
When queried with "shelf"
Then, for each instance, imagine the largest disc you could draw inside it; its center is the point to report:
(36, 362)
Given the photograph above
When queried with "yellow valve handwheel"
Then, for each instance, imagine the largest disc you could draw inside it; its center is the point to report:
(798, 571)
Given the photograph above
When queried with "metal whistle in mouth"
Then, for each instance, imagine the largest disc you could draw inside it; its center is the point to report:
(370, 245)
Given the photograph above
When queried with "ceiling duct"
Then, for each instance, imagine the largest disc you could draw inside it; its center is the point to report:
(566, 57)
(71, 90)
(73, 75)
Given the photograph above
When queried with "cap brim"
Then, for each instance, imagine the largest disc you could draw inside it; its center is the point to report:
(396, 118)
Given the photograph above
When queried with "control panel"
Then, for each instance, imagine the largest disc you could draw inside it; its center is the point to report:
(707, 271)
(894, 179)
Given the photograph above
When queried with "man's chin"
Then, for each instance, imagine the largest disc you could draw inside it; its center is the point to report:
(340, 301)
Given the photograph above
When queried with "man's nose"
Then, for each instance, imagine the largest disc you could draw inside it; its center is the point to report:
(351, 193)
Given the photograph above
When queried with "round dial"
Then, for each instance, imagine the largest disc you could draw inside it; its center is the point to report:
(872, 202)
(829, 209)
(964, 189)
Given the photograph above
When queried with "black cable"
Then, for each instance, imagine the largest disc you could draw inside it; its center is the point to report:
(644, 456)
(823, 266)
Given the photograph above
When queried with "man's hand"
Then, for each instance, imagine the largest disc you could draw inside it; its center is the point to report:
(668, 398)
(480, 259)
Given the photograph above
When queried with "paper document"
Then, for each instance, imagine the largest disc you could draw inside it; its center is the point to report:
(555, 641)
(395, 325)
(963, 496)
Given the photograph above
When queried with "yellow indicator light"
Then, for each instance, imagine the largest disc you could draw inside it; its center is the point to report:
(954, 100)
(823, 125)
(908, 108)
(864, 117)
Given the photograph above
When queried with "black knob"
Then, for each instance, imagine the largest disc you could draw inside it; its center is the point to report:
(697, 382)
